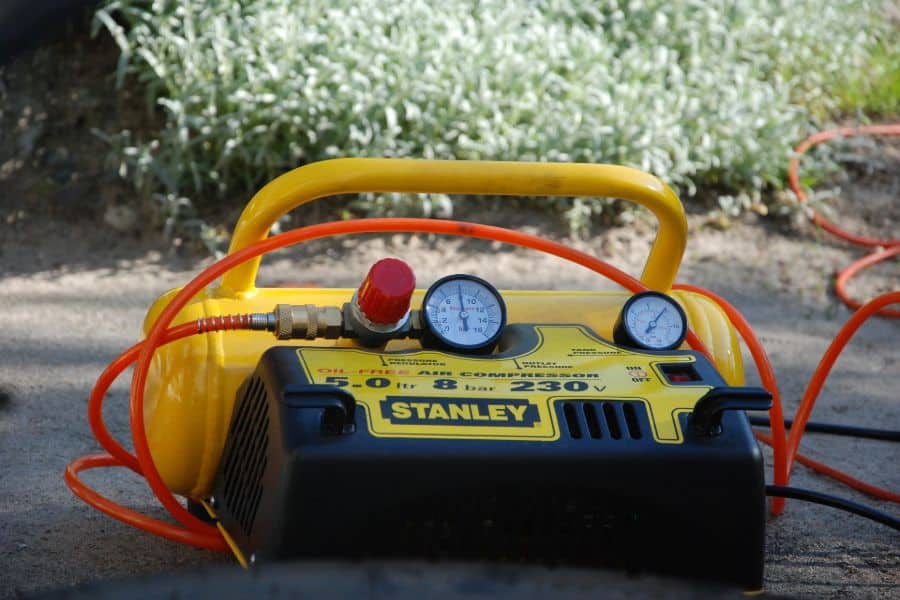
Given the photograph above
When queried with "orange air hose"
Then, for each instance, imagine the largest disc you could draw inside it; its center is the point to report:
(780, 468)
(195, 532)
(886, 247)
(211, 540)
(837, 475)
(95, 400)
(208, 275)
(118, 457)
(786, 447)
(824, 367)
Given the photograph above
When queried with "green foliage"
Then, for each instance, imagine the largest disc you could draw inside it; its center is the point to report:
(874, 89)
(699, 92)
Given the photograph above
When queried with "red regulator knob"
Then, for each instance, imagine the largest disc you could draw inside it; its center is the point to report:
(384, 296)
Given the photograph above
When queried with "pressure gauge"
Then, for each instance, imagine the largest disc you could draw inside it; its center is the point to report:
(650, 321)
(463, 313)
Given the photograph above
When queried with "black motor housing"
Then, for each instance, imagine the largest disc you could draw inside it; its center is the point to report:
(302, 476)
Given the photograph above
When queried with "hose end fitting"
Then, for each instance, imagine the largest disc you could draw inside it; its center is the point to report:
(306, 321)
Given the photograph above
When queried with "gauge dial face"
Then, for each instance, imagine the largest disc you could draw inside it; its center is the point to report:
(464, 312)
(654, 321)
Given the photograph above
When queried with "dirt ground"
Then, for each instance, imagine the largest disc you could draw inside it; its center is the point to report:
(75, 282)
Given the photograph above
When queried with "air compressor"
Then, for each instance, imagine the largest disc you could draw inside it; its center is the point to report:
(448, 419)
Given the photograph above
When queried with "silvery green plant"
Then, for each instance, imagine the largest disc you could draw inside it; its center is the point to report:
(698, 92)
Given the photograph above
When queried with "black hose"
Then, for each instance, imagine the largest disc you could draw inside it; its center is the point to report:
(834, 502)
(885, 435)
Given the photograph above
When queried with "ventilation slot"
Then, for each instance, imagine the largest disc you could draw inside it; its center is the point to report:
(246, 460)
(572, 420)
(612, 421)
(631, 421)
(593, 423)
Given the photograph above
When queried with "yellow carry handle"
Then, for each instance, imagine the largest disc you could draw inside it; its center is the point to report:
(354, 175)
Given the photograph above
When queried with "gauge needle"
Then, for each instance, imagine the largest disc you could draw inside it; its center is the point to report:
(652, 324)
(462, 311)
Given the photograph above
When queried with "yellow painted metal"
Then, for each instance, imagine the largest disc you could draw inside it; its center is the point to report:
(711, 324)
(232, 545)
(192, 383)
(353, 175)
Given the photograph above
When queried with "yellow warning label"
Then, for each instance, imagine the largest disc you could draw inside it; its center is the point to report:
(431, 394)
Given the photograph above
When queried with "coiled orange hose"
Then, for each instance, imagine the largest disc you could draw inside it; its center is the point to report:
(885, 248)
(119, 457)
(197, 533)
(780, 464)
(194, 531)
(785, 447)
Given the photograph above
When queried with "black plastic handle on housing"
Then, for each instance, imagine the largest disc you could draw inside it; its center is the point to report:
(706, 420)
(339, 405)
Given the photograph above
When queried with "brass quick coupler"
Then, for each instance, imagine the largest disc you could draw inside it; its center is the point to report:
(306, 321)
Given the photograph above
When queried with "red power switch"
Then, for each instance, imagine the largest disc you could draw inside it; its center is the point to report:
(384, 296)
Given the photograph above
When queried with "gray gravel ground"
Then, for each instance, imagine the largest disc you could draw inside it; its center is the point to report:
(72, 297)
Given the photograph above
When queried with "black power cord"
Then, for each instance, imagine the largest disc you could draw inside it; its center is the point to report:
(862, 510)
(885, 435)
(834, 502)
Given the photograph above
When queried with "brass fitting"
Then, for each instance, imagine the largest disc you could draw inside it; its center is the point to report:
(307, 321)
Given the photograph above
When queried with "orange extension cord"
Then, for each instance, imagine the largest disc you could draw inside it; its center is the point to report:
(197, 533)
